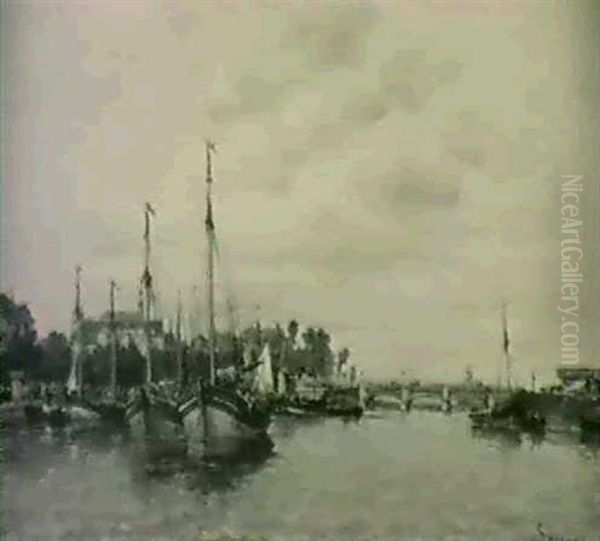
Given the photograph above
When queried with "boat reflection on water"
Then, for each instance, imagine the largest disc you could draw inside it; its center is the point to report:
(227, 475)
(156, 429)
(505, 438)
(589, 440)
(200, 475)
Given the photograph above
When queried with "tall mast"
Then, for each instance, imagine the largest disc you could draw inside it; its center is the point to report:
(179, 338)
(146, 302)
(210, 235)
(78, 310)
(506, 347)
(113, 342)
(76, 376)
(147, 282)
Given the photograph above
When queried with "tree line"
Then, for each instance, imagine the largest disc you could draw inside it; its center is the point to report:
(49, 359)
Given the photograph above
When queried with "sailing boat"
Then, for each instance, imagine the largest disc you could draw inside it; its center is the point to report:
(74, 383)
(111, 409)
(223, 420)
(517, 412)
(153, 419)
(70, 408)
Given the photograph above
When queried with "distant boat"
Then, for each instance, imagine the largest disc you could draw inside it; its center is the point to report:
(69, 406)
(518, 412)
(313, 396)
(589, 419)
(224, 420)
(515, 414)
(387, 402)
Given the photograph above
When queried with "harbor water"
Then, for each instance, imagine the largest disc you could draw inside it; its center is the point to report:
(422, 476)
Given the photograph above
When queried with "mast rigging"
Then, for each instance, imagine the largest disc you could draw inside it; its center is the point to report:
(179, 338)
(113, 341)
(75, 381)
(146, 292)
(506, 347)
(210, 235)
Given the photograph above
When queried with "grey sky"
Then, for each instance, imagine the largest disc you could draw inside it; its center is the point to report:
(389, 171)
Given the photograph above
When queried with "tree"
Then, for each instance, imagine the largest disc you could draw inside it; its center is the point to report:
(310, 339)
(22, 350)
(323, 355)
(317, 356)
(292, 330)
(56, 358)
(343, 356)
(469, 378)
(4, 372)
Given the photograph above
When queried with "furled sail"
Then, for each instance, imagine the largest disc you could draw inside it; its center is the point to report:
(264, 373)
(247, 356)
(281, 388)
(143, 346)
(72, 381)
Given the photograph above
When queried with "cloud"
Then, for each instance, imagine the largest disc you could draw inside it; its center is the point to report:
(331, 36)
(410, 78)
(387, 169)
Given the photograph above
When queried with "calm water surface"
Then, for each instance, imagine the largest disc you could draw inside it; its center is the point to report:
(392, 477)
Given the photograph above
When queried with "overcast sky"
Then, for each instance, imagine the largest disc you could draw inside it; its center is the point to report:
(389, 171)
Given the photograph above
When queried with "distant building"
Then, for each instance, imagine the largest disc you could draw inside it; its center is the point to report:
(130, 328)
(575, 374)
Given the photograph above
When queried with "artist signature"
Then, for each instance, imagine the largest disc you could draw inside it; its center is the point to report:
(549, 537)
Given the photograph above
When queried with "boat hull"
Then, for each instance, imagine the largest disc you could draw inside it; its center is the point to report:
(385, 402)
(335, 402)
(220, 427)
(156, 431)
(214, 434)
(589, 420)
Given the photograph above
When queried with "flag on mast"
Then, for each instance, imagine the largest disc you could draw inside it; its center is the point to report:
(506, 346)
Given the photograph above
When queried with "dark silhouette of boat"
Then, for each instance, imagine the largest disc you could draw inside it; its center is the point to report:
(155, 424)
(222, 419)
(222, 422)
(516, 413)
(589, 420)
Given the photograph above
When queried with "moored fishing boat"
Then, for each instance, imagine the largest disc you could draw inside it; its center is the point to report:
(222, 423)
(518, 410)
(345, 401)
(76, 409)
(589, 420)
(387, 402)
(325, 400)
(155, 424)
(223, 419)
(152, 416)
(515, 414)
